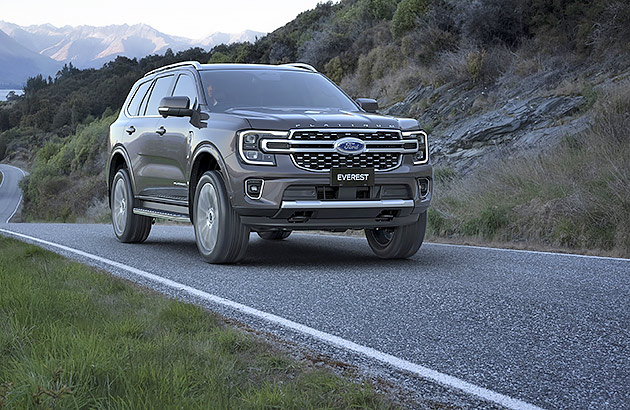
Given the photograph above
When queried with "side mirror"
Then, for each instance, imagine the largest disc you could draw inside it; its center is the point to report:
(368, 104)
(175, 107)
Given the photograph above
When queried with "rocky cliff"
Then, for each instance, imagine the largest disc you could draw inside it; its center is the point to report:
(470, 126)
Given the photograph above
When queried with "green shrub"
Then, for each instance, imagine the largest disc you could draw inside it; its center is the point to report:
(68, 174)
(406, 15)
(475, 62)
(220, 57)
(334, 69)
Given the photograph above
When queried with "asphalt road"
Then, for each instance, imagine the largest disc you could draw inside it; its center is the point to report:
(10, 194)
(548, 329)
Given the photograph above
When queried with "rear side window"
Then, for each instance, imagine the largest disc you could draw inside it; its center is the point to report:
(160, 90)
(186, 87)
(134, 104)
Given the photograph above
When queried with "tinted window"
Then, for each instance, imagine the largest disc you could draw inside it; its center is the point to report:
(160, 90)
(186, 87)
(228, 89)
(134, 104)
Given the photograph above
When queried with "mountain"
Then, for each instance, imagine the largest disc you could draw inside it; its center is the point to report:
(228, 38)
(91, 47)
(17, 63)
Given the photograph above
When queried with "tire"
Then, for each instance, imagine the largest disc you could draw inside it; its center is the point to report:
(219, 233)
(274, 235)
(128, 227)
(400, 242)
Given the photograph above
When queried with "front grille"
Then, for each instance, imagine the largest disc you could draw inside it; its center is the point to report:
(335, 135)
(324, 161)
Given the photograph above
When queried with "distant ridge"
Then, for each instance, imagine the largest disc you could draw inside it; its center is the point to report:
(18, 63)
(91, 47)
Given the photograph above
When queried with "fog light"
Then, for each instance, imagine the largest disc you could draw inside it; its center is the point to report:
(254, 188)
(423, 187)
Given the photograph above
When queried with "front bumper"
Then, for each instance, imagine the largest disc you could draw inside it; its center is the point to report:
(274, 210)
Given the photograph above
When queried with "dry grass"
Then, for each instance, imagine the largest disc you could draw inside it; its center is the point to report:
(576, 196)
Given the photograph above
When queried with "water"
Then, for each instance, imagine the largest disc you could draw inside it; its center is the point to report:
(3, 94)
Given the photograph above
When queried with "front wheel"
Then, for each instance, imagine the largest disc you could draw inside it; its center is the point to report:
(219, 233)
(400, 242)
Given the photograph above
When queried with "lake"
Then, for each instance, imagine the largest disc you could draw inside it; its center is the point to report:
(3, 94)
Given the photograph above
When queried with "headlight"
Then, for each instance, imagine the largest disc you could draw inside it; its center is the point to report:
(422, 156)
(249, 146)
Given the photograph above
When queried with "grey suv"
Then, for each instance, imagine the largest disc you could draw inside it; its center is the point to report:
(235, 148)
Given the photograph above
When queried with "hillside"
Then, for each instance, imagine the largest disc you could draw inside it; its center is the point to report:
(523, 83)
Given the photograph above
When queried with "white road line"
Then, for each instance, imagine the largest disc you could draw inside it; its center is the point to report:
(394, 361)
(488, 248)
(15, 210)
(21, 196)
(577, 255)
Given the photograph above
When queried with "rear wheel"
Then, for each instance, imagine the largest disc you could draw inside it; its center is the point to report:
(219, 233)
(400, 242)
(274, 235)
(128, 227)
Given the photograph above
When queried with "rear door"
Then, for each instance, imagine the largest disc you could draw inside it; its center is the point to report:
(149, 162)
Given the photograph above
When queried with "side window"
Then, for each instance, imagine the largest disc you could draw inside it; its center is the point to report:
(186, 87)
(160, 90)
(134, 104)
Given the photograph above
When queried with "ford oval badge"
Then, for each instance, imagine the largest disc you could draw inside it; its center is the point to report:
(349, 146)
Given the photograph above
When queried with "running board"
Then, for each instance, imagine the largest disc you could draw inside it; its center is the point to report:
(171, 216)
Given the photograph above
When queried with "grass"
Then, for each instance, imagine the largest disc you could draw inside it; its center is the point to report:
(73, 337)
(574, 197)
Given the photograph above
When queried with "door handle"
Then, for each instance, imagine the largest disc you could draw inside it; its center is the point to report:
(131, 129)
(161, 130)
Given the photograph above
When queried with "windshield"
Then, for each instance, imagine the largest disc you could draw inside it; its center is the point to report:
(229, 89)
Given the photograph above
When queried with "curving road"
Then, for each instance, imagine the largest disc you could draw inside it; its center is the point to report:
(525, 329)
(10, 193)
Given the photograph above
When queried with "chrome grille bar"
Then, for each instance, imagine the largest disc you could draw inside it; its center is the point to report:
(294, 146)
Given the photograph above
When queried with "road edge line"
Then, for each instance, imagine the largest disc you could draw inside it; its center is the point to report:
(489, 248)
(402, 364)
(21, 193)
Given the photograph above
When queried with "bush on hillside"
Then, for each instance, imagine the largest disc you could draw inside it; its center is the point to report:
(406, 16)
(584, 202)
(494, 22)
(68, 174)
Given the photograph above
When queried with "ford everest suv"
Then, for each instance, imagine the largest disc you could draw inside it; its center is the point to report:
(235, 148)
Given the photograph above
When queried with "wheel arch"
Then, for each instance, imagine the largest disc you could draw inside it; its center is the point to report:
(206, 158)
(118, 159)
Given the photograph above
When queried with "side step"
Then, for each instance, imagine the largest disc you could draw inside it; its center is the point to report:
(171, 216)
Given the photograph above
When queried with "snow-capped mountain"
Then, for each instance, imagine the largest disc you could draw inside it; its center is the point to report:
(91, 47)
(227, 38)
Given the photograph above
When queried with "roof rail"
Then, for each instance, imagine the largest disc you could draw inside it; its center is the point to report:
(303, 66)
(183, 63)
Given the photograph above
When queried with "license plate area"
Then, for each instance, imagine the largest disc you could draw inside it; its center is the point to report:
(352, 176)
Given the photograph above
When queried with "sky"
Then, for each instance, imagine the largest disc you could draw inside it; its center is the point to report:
(192, 19)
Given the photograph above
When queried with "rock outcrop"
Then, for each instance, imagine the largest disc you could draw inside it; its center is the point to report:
(469, 127)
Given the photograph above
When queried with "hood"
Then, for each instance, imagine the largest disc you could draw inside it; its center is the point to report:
(285, 119)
